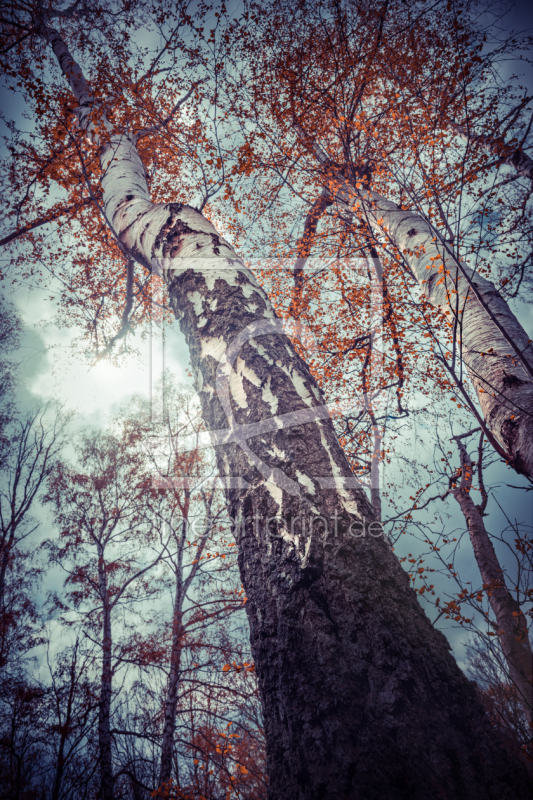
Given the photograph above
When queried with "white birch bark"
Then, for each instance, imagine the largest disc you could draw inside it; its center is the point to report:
(361, 695)
(516, 159)
(496, 350)
(171, 699)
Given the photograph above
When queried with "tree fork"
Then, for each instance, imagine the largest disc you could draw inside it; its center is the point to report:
(361, 695)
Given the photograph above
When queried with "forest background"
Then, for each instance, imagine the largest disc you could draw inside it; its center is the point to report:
(54, 365)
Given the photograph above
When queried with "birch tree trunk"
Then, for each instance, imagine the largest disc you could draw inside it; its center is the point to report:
(514, 637)
(510, 156)
(493, 345)
(171, 700)
(495, 348)
(362, 698)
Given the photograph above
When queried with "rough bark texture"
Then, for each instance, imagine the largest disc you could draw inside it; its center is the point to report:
(512, 624)
(496, 350)
(362, 698)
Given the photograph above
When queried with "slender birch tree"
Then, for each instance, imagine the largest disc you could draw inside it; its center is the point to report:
(352, 674)
(510, 618)
(346, 140)
(361, 694)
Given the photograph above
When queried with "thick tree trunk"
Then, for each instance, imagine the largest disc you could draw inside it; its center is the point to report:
(512, 624)
(362, 698)
(495, 348)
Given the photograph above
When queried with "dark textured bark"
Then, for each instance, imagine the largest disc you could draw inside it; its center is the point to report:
(362, 697)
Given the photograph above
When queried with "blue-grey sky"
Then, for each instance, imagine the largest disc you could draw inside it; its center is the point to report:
(50, 369)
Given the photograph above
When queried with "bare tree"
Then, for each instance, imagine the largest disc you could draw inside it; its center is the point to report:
(361, 695)
(106, 549)
(510, 619)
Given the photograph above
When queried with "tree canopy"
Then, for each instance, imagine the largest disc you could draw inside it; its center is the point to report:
(334, 201)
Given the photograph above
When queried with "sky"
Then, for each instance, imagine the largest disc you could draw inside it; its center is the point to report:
(96, 392)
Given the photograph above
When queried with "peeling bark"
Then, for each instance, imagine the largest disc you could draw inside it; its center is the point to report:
(362, 698)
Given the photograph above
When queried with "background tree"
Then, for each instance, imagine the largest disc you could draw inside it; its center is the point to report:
(394, 168)
(181, 499)
(73, 705)
(107, 549)
(307, 592)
